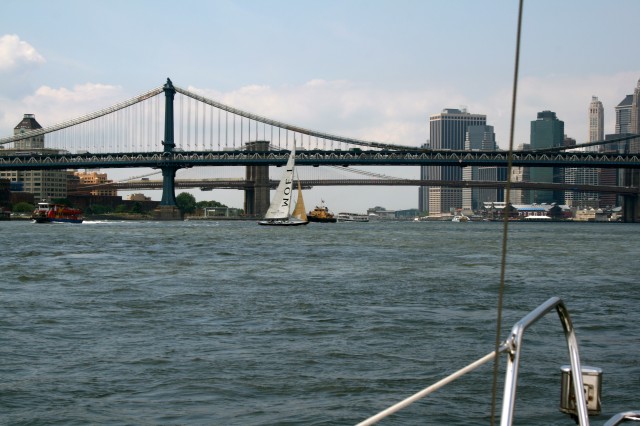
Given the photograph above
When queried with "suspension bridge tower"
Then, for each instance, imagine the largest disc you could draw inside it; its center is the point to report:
(256, 194)
(168, 210)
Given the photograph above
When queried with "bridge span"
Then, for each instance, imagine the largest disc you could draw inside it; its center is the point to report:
(242, 184)
(416, 157)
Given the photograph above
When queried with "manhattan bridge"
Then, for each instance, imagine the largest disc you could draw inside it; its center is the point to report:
(170, 128)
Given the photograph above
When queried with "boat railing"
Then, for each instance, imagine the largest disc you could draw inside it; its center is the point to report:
(577, 401)
(633, 416)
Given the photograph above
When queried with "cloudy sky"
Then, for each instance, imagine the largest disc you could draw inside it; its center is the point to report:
(367, 69)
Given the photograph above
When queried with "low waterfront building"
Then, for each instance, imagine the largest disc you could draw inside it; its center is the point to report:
(408, 214)
(524, 211)
(138, 197)
(585, 215)
(381, 213)
(222, 211)
(95, 181)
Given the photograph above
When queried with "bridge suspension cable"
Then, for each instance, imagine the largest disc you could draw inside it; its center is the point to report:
(589, 144)
(364, 172)
(295, 129)
(82, 119)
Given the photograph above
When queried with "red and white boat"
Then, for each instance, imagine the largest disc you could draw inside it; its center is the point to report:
(50, 213)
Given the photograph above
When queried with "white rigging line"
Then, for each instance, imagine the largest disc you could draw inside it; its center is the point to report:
(505, 230)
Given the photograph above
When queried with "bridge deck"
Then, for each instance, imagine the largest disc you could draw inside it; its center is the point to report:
(44, 161)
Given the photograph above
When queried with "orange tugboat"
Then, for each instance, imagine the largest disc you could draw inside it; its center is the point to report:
(321, 214)
(49, 213)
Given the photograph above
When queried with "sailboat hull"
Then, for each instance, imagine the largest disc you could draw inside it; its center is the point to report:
(282, 222)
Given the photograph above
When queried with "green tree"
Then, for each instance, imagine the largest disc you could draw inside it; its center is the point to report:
(213, 203)
(23, 207)
(137, 208)
(97, 209)
(186, 202)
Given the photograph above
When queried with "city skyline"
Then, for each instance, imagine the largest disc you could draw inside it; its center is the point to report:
(370, 70)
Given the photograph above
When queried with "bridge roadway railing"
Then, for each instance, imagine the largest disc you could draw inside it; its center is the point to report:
(43, 161)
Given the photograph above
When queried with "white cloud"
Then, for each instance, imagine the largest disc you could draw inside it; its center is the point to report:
(85, 94)
(348, 109)
(55, 105)
(343, 108)
(15, 54)
(18, 61)
(568, 97)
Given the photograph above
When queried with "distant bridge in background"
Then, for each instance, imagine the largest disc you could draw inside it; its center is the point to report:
(241, 184)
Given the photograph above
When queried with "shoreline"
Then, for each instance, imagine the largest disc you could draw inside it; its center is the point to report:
(115, 217)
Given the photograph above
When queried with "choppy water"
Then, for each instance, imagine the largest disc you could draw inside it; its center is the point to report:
(201, 323)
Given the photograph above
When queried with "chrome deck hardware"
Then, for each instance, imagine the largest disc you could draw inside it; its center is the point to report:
(592, 385)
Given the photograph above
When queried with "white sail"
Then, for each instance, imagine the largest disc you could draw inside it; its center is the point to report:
(281, 202)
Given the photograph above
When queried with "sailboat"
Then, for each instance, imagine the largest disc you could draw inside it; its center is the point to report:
(279, 213)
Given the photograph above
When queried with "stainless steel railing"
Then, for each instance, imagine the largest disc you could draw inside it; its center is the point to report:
(514, 344)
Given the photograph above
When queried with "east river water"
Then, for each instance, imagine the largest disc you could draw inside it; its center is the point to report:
(231, 323)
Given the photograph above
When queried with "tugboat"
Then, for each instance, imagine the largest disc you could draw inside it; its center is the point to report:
(321, 214)
(50, 213)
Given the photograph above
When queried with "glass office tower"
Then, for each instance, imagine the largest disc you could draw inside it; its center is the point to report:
(447, 130)
(546, 132)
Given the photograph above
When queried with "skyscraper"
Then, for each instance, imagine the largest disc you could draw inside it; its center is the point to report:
(611, 176)
(447, 130)
(423, 191)
(546, 132)
(596, 120)
(480, 138)
(632, 177)
(587, 175)
(627, 122)
(520, 174)
(635, 110)
(623, 115)
(43, 184)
